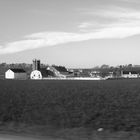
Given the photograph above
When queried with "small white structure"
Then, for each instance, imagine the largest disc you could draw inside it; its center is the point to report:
(109, 75)
(95, 74)
(36, 74)
(15, 74)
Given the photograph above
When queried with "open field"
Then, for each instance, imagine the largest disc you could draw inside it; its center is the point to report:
(113, 104)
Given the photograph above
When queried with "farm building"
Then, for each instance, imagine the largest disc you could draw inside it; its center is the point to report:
(36, 65)
(54, 72)
(40, 74)
(36, 74)
(15, 74)
(95, 74)
(129, 74)
(48, 71)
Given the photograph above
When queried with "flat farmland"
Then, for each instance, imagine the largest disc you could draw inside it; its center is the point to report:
(110, 104)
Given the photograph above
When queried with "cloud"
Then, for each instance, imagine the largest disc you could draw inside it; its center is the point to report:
(125, 23)
(114, 19)
(121, 13)
(54, 38)
(85, 25)
(111, 13)
(130, 1)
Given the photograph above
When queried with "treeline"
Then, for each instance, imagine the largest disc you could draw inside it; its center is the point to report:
(4, 67)
(116, 70)
(104, 69)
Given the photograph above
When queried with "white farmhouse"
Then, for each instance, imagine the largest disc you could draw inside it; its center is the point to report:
(36, 74)
(15, 74)
(129, 74)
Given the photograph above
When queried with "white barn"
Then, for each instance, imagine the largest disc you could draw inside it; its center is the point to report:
(36, 74)
(15, 74)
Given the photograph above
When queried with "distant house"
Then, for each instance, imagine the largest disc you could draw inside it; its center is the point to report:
(76, 72)
(95, 74)
(129, 74)
(109, 75)
(15, 74)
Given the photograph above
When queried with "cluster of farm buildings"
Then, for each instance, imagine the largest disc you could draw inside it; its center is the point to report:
(52, 72)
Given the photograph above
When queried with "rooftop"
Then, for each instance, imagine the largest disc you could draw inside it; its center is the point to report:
(18, 70)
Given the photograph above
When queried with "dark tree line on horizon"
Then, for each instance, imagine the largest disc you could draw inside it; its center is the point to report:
(103, 69)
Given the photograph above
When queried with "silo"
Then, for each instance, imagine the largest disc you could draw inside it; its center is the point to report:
(36, 64)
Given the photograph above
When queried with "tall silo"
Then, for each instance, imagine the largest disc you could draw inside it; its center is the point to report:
(36, 64)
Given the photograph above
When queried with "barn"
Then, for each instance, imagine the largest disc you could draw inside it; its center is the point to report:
(16, 74)
(36, 74)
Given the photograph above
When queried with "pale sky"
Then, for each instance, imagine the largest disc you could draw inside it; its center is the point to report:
(72, 33)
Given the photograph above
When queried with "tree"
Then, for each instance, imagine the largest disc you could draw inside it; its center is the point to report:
(104, 66)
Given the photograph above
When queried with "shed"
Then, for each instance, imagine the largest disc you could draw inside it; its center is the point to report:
(15, 74)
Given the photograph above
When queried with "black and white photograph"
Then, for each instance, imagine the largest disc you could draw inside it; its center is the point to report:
(69, 70)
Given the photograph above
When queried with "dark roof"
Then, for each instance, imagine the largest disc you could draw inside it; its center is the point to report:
(60, 68)
(132, 72)
(125, 72)
(44, 72)
(18, 70)
(65, 73)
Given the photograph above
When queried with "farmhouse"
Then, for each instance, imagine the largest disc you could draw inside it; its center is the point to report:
(129, 74)
(15, 74)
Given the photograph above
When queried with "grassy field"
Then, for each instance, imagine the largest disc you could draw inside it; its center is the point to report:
(113, 104)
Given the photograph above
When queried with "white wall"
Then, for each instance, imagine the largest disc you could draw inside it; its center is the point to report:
(9, 74)
(35, 75)
(130, 75)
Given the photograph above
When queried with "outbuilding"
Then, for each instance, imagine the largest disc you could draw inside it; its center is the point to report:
(16, 74)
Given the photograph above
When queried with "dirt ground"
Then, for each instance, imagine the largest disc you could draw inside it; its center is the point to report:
(74, 135)
(29, 132)
(23, 137)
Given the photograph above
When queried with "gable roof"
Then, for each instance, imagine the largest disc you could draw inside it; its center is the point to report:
(18, 70)
(44, 72)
